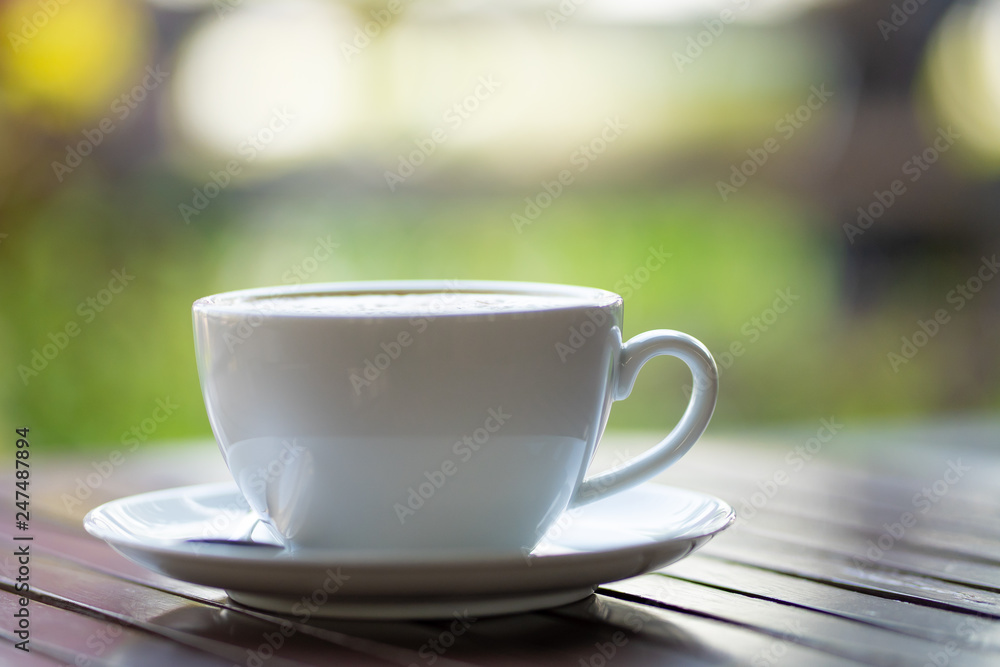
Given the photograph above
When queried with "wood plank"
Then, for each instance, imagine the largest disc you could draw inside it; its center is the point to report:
(528, 638)
(824, 632)
(829, 493)
(832, 483)
(929, 533)
(830, 538)
(216, 630)
(489, 638)
(863, 547)
(413, 636)
(968, 631)
(713, 612)
(890, 462)
(836, 570)
(13, 656)
(74, 544)
(104, 560)
(706, 640)
(554, 638)
(605, 631)
(75, 639)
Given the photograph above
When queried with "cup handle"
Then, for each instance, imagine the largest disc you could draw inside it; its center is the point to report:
(705, 390)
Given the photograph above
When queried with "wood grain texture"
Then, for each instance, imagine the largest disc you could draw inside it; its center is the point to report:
(12, 656)
(74, 638)
(915, 620)
(826, 567)
(795, 582)
(835, 635)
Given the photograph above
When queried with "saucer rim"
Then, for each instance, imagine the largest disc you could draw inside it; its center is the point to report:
(376, 559)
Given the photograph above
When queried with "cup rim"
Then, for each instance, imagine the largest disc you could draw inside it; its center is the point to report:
(583, 297)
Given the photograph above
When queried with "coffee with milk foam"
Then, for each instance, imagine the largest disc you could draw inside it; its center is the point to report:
(403, 305)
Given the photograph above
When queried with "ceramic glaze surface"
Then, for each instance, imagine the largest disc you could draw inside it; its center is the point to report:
(422, 414)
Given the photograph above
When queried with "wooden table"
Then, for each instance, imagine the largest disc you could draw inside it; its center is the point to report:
(879, 547)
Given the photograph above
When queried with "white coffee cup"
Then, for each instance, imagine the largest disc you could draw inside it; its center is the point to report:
(427, 415)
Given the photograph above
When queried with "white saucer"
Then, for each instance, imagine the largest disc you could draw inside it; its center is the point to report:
(625, 535)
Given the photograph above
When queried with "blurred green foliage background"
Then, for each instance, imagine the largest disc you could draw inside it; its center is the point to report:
(728, 258)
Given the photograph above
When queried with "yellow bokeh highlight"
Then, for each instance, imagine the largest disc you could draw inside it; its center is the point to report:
(962, 77)
(63, 62)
